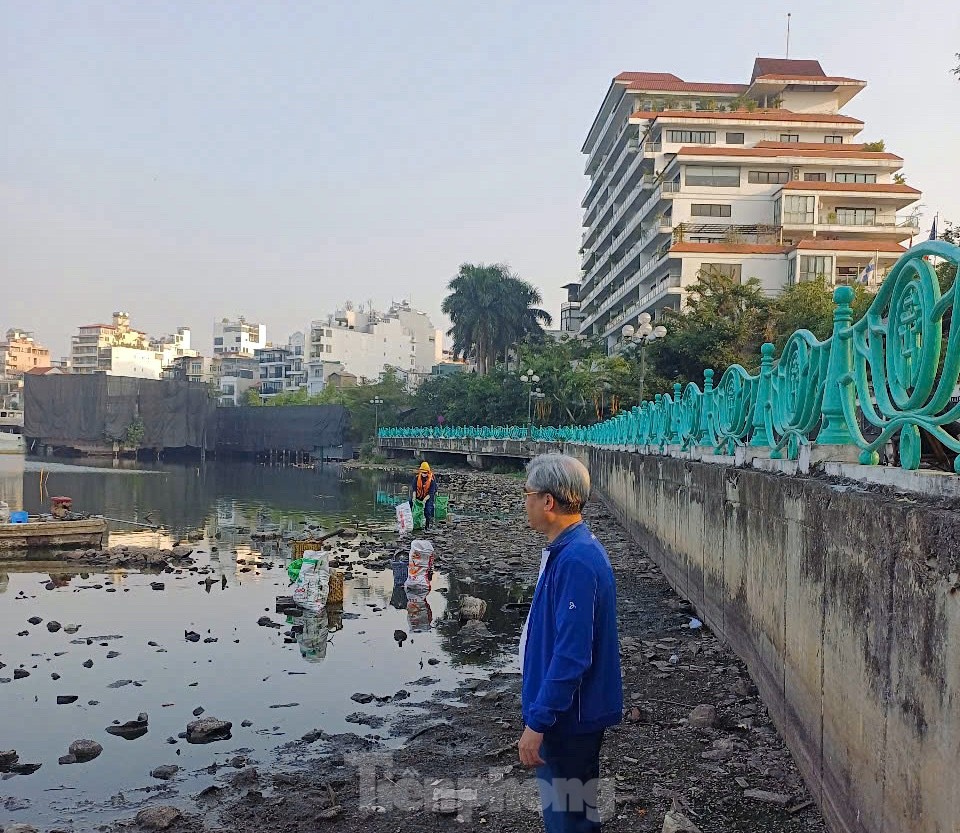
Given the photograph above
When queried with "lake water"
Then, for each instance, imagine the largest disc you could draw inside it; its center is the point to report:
(250, 673)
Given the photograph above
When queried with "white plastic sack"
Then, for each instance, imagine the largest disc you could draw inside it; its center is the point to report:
(420, 564)
(404, 518)
(313, 584)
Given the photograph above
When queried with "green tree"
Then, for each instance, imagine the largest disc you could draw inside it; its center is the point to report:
(878, 146)
(251, 397)
(491, 309)
(946, 271)
(724, 322)
(808, 305)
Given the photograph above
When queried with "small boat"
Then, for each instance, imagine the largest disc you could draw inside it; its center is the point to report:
(36, 533)
(11, 432)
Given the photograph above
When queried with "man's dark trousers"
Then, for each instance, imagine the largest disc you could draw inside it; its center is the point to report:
(569, 781)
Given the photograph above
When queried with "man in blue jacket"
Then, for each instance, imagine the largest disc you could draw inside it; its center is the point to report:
(569, 650)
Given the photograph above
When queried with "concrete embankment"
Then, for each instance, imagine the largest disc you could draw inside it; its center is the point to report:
(844, 602)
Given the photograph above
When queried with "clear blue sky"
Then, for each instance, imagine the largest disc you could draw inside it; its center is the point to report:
(189, 160)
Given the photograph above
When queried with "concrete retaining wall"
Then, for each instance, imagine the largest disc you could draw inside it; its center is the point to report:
(845, 605)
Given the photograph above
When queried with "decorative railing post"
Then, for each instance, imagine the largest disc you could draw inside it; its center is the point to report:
(834, 429)
(676, 435)
(706, 436)
(758, 424)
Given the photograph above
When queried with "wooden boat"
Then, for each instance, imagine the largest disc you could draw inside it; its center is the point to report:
(85, 532)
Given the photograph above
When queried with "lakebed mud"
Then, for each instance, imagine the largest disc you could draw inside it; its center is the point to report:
(695, 736)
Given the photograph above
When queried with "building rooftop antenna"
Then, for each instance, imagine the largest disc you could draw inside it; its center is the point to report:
(788, 35)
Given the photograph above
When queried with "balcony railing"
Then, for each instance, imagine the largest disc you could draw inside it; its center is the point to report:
(652, 147)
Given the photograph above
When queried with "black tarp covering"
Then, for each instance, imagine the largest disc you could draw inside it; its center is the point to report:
(287, 428)
(98, 410)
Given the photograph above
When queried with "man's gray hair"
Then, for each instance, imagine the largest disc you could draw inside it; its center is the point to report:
(562, 476)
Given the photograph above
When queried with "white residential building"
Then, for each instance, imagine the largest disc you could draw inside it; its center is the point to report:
(238, 336)
(367, 343)
(763, 179)
(173, 346)
(119, 350)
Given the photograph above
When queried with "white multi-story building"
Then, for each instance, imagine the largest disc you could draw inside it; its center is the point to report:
(760, 180)
(367, 343)
(174, 346)
(238, 336)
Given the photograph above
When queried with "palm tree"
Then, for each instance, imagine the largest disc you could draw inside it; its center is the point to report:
(491, 309)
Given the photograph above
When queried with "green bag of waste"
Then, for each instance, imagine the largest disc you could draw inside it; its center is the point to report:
(419, 514)
(293, 569)
(441, 504)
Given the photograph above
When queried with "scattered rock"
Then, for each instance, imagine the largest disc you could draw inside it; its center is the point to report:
(24, 769)
(88, 664)
(191, 636)
(157, 585)
(34, 620)
(165, 772)
(66, 699)
(208, 730)
(53, 627)
(158, 818)
(112, 654)
(766, 797)
(20, 673)
(19, 828)
(132, 729)
(198, 711)
(703, 716)
(8, 759)
(677, 822)
(119, 683)
(361, 698)
(84, 750)
(267, 622)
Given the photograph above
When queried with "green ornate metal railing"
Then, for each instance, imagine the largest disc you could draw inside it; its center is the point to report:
(892, 374)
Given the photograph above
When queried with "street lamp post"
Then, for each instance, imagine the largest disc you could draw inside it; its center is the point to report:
(531, 378)
(376, 402)
(643, 335)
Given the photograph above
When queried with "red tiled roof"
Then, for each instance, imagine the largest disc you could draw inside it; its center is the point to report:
(39, 371)
(789, 150)
(730, 248)
(822, 244)
(676, 85)
(818, 79)
(747, 115)
(870, 187)
(786, 66)
(647, 77)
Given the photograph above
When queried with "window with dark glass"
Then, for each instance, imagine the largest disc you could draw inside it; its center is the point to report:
(854, 177)
(768, 177)
(815, 177)
(734, 138)
(798, 210)
(833, 140)
(702, 137)
(712, 176)
(790, 137)
(709, 210)
(816, 267)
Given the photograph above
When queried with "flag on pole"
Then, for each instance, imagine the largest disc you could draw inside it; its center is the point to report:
(933, 229)
(865, 276)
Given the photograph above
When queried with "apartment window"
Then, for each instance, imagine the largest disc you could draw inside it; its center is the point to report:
(852, 177)
(791, 271)
(791, 138)
(218, 340)
(816, 267)
(857, 216)
(713, 176)
(815, 177)
(722, 270)
(709, 210)
(798, 210)
(833, 140)
(768, 177)
(702, 137)
(329, 348)
(734, 138)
